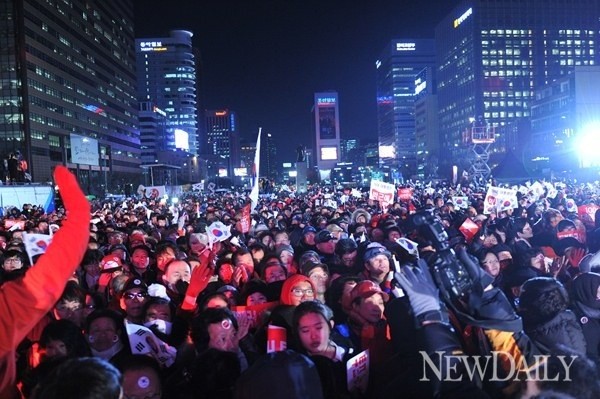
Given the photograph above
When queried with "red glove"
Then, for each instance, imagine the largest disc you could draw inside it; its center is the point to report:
(199, 280)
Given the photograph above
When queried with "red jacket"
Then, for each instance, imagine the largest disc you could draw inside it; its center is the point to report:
(25, 301)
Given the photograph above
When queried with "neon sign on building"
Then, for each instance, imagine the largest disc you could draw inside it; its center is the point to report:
(406, 46)
(152, 46)
(325, 100)
(463, 17)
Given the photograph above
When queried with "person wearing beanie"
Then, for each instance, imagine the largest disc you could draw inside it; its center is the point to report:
(391, 232)
(585, 302)
(308, 256)
(272, 271)
(285, 253)
(325, 245)
(307, 242)
(346, 259)
(377, 260)
(255, 292)
(546, 320)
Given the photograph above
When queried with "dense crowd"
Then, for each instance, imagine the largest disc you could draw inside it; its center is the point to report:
(323, 294)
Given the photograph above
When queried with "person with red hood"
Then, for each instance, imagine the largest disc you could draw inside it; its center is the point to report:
(295, 290)
(23, 302)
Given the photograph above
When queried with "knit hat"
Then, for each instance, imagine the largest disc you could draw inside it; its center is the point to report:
(279, 248)
(375, 249)
(345, 246)
(308, 256)
(308, 229)
(251, 287)
(310, 266)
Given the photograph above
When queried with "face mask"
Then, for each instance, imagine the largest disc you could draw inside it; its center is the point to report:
(160, 325)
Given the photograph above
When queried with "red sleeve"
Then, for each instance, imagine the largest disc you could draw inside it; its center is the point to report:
(24, 302)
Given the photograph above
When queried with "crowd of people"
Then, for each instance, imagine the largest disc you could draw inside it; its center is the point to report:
(323, 294)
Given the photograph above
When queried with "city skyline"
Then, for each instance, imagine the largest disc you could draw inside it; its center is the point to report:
(265, 61)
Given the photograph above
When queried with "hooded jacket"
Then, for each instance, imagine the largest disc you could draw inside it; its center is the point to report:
(357, 213)
(584, 291)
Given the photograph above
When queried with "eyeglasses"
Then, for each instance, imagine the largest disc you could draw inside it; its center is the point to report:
(12, 260)
(132, 295)
(300, 292)
(324, 276)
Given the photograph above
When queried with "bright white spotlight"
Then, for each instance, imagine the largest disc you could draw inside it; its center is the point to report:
(587, 145)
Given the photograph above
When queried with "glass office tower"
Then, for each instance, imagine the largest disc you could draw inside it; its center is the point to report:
(397, 68)
(493, 54)
(166, 71)
(69, 68)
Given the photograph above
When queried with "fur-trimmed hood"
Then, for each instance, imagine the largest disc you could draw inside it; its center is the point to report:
(358, 212)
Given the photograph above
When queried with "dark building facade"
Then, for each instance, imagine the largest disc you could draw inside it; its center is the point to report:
(222, 147)
(397, 68)
(427, 138)
(69, 68)
(493, 54)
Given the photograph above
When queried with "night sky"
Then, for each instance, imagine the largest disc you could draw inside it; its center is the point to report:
(265, 59)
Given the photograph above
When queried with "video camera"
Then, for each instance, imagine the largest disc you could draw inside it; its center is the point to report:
(464, 286)
(449, 273)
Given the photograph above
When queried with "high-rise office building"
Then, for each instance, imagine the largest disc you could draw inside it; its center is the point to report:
(493, 55)
(346, 146)
(427, 138)
(247, 152)
(326, 113)
(397, 67)
(153, 131)
(69, 68)
(222, 141)
(166, 72)
(161, 164)
(268, 152)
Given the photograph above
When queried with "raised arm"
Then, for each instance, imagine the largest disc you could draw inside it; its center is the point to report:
(24, 302)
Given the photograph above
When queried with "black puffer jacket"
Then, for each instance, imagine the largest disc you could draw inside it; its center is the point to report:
(586, 305)
(562, 329)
